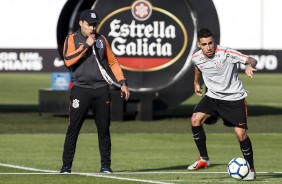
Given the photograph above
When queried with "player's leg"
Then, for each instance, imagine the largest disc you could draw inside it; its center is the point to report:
(199, 133)
(247, 150)
(237, 118)
(202, 114)
(200, 140)
(245, 145)
(79, 103)
(101, 111)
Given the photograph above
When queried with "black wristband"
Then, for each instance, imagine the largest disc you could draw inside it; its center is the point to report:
(123, 83)
(86, 45)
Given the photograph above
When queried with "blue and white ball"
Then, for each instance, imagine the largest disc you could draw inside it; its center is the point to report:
(238, 168)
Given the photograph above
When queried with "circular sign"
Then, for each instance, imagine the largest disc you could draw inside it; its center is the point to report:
(154, 41)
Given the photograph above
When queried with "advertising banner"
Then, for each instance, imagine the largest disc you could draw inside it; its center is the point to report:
(49, 60)
(269, 61)
(31, 60)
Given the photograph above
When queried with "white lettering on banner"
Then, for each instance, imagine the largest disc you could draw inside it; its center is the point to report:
(268, 62)
(141, 47)
(29, 61)
(8, 56)
(29, 55)
(142, 33)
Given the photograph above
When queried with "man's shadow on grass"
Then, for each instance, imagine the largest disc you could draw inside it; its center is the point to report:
(183, 168)
(185, 111)
(269, 175)
(172, 168)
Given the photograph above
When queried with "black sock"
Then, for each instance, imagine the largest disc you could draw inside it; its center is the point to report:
(247, 150)
(200, 140)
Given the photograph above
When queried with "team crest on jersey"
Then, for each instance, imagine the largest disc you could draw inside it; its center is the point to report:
(99, 44)
(218, 65)
(75, 103)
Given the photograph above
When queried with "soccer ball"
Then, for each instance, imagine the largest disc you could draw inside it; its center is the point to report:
(238, 168)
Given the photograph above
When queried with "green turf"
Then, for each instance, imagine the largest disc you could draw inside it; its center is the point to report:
(140, 152)
(22, 89)
(33, 123)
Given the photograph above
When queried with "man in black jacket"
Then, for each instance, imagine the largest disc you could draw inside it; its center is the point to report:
(85, 53)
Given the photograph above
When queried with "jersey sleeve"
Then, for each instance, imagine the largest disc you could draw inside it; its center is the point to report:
(195, 58)
(70, 53)
(236, 56)
(113, 62)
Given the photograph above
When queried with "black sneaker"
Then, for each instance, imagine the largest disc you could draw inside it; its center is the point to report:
(65, 170)
(106, 170)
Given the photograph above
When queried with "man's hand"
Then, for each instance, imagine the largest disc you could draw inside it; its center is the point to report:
(90, 40)
(124, 92)
(198, 90)
(249, 70)
(250, 66)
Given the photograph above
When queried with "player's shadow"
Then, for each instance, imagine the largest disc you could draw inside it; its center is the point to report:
(173, 168)
(185, 111)
(269, 175)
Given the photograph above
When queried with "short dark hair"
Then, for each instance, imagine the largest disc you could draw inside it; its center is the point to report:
(204, 33)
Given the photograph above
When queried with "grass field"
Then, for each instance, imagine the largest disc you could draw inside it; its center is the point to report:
(142, 152)
(144, 157)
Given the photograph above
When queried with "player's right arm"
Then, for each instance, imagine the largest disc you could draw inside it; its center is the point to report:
(197, 77)
(72, 54)
(250, 66)
(250, 62)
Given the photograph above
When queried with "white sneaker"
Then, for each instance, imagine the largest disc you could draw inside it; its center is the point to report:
(250, 176)
(200, 163)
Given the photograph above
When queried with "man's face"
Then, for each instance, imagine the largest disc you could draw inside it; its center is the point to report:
(207, 45)
(87, 29)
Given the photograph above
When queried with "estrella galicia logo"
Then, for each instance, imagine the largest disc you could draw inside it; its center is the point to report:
(141, 10)
(146, 38)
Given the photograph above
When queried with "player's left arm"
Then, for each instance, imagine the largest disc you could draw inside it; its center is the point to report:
(113, 63)
(117, 71)
(250, 66)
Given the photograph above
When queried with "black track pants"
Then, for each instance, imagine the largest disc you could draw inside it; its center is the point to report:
(81, 101)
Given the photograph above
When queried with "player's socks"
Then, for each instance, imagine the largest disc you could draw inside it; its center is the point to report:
(200, 140)
(247, 150)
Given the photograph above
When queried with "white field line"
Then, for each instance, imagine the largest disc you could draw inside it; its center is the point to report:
(27, 168)
(40, 173)
(121, 173)
(122, 178)
(84, 174)
(135, 173)
(184, 172)
(111, 176)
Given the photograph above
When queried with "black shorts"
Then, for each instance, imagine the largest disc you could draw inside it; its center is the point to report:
(233, 113)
